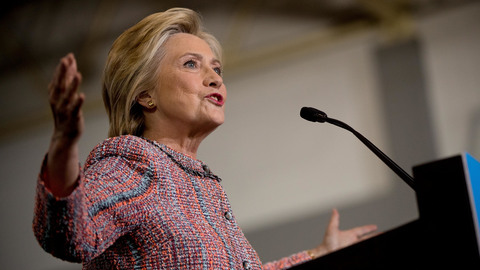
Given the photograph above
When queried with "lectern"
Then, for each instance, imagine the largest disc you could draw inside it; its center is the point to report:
(445, 236)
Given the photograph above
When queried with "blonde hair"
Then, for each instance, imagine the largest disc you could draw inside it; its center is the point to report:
(133, 61)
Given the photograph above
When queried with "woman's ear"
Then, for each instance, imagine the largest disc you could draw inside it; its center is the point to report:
(146, 100)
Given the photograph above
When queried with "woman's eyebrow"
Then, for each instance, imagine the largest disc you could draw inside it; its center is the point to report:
(200, 57)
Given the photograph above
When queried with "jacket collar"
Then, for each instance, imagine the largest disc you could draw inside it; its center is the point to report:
(186, 162)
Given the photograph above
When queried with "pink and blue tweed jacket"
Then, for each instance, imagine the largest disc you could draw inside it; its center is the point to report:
(142, 205)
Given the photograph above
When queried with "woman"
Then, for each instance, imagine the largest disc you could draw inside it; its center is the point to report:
(143, 200)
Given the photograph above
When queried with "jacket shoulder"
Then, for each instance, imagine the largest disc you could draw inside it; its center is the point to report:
(126, 146)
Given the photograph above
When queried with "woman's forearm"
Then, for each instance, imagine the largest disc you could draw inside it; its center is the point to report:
(62, 168)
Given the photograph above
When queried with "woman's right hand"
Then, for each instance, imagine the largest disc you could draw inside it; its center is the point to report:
(66, 102)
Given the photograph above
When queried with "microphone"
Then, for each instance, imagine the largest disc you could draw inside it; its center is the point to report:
(314, 115)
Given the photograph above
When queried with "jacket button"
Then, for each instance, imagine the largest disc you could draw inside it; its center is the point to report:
(228, 215)
(206, 169)
(246, 265)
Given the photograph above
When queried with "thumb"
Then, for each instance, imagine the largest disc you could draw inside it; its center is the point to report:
(334, 221)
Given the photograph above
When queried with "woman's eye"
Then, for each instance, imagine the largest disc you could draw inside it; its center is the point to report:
(218, 70)
(190, 64)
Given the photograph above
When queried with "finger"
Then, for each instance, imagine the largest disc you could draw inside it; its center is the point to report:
(59, 70)
(69, 82)
(334, 222)
(55, 83)
(369, 235)
(78, 104)
(70, 72)
(70, 93)
(72, 68)
(365, 230)
(58, 83)
(369, 228)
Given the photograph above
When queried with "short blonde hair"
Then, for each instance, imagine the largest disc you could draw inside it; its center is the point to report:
(133, 61)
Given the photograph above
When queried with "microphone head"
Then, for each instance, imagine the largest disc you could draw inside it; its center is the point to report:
(312, 114)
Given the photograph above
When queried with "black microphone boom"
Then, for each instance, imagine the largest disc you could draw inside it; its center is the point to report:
(314, 115)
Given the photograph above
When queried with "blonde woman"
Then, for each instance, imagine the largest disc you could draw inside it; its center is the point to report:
(143, 200)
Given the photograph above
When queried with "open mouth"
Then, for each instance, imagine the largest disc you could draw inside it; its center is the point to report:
(216, 99)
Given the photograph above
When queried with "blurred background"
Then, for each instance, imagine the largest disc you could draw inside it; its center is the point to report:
(406, 74)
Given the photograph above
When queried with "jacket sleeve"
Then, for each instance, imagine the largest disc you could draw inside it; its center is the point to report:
(81, 226)
(288, 262)
(55, 220)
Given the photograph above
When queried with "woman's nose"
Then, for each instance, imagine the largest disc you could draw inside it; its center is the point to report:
(213, 79)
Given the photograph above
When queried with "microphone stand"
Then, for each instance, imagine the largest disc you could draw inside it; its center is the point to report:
(322, 117)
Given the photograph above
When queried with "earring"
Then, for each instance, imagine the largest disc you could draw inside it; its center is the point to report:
(150, 103)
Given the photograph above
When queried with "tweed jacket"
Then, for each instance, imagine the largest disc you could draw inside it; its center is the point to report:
(141, 205)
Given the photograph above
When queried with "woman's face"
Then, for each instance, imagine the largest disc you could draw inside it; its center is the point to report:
(190, 92)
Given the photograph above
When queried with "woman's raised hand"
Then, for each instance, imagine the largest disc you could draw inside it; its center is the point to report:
(66, 101)
(62, 168)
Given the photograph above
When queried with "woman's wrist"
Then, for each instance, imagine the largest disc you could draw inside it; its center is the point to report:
(63, 138)
(311, 254)
(62, 167)
(317, 252)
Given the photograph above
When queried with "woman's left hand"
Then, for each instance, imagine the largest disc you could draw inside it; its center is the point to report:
(335, 238)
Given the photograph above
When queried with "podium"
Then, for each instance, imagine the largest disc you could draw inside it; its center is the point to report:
(445, 236)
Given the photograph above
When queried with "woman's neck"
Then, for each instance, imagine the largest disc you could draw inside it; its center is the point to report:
(181, 137)
(182, 143)
(187, 147)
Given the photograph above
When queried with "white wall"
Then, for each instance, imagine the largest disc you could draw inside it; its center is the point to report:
(275, 165)
(452, 57)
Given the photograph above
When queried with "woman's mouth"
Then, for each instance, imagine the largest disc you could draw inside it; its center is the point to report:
(216, 99)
